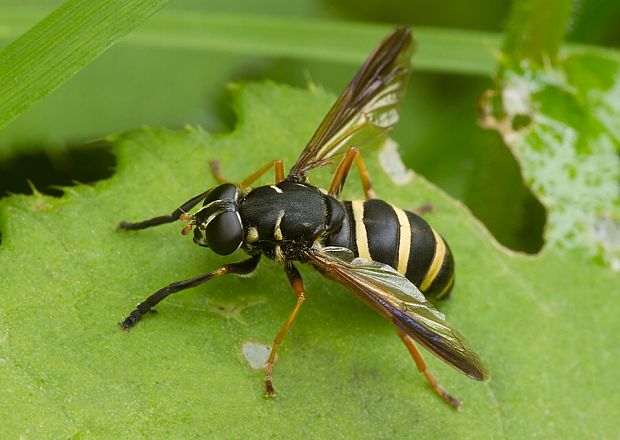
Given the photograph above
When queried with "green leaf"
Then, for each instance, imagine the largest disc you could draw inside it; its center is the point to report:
(60, 45)
(563, 125)
(545, 326)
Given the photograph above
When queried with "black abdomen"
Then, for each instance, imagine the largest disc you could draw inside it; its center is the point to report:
(374, 229)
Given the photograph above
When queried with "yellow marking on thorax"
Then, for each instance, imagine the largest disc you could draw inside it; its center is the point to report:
(279, 255)
(404, 245)
(440, 252)
(277, 232)
(360, 229)
(252, 235)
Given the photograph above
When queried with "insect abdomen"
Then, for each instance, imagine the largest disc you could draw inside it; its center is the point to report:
(379, 231)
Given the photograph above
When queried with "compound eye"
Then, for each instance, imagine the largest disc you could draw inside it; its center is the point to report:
(226, 191)
(225, 233)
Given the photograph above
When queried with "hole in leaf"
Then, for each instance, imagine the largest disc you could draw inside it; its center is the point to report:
(521, 121)
(48, 170)
(471, 164)
(497, 195)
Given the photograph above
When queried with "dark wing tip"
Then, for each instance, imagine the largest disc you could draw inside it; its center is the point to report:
(400, 32)
(402, 29)
(472, 367)
(479, 373)
(458, 354)
(468, 362)
(485, 376)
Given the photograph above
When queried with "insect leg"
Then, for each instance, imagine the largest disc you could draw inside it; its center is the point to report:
(277, 164)
(279, 171)
(241, 268)
(419, 361)
(215, 170)
(155, 221)
(298, 287)
(340, 176)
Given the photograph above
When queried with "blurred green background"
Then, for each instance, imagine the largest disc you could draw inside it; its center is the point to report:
(130, 86)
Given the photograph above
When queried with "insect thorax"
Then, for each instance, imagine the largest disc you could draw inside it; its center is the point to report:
(280, 220)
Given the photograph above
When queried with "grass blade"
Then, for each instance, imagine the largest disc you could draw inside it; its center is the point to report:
(60, 45)
(452, 50)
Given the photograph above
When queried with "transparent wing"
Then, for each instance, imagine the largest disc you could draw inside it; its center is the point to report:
(367, 107)
(395, 298)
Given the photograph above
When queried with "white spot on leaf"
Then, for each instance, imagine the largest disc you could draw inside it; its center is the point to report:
(256, 354)
(392, 164)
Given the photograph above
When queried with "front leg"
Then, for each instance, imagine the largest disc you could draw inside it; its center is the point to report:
(156, 221)
(242, 268)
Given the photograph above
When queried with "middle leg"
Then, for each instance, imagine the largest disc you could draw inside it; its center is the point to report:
(297, 284)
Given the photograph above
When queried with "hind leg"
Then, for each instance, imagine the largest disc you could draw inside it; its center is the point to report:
(340, 176)
(419, 361)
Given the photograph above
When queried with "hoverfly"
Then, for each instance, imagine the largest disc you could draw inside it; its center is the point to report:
(388, 257)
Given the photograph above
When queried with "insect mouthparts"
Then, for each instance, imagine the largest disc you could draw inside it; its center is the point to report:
(187, 218)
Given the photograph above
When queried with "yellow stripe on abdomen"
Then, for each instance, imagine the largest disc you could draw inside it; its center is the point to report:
(440, 253)
(361, 238)
(404, 245)
(446, 288)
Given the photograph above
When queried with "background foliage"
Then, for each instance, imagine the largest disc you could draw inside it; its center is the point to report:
(545, 325)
